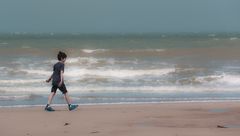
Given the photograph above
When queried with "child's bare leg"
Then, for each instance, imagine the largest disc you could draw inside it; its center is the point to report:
(67, 98)
(50, 97)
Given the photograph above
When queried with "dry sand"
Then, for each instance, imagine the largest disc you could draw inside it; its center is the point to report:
(182, 119)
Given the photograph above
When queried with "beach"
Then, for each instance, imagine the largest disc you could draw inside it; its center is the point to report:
(160, 119)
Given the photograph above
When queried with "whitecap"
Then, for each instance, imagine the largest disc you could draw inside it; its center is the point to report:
(212, 35)
(123, 89)
(146, 50)
(26, 89)
(160, 50)
(83, 60)
(71, 60)
(233, 38)
(92, 51)
(117, 73)
(3, 68)
(232, 80)
(207, 79)
(26, 47)
(11, 98)
(88, 51)
(89, 60)
(18, 97)
(153, 89)
(222, 80)
(38, 72)
(21, 81)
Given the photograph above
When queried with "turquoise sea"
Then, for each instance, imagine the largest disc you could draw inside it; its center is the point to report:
(121, 68)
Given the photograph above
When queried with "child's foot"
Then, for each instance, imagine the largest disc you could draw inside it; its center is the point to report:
(72, 107)
(49, 109)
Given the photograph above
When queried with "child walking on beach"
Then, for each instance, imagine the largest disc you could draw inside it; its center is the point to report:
(58, 83)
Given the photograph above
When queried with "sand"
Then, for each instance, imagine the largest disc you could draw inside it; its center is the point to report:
(182, 119)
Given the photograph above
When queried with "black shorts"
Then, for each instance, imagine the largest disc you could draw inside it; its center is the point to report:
(62, 88)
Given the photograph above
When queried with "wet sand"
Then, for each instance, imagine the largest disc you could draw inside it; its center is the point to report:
(182, 119)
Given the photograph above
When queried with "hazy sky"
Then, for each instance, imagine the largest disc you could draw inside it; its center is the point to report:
(119, 16)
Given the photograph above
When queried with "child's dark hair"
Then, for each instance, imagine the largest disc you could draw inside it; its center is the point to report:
(61, 55)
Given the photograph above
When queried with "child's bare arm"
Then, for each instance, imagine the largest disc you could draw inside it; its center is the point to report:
(49, 79)
(61, 77)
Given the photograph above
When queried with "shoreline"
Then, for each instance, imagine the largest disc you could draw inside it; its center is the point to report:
(125, 103)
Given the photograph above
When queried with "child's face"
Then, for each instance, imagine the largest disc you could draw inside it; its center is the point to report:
(63, 60)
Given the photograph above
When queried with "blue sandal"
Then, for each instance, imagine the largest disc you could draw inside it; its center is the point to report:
(49, 109)
(72, 107)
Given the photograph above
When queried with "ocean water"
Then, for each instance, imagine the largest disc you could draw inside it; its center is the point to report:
(121, 68)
